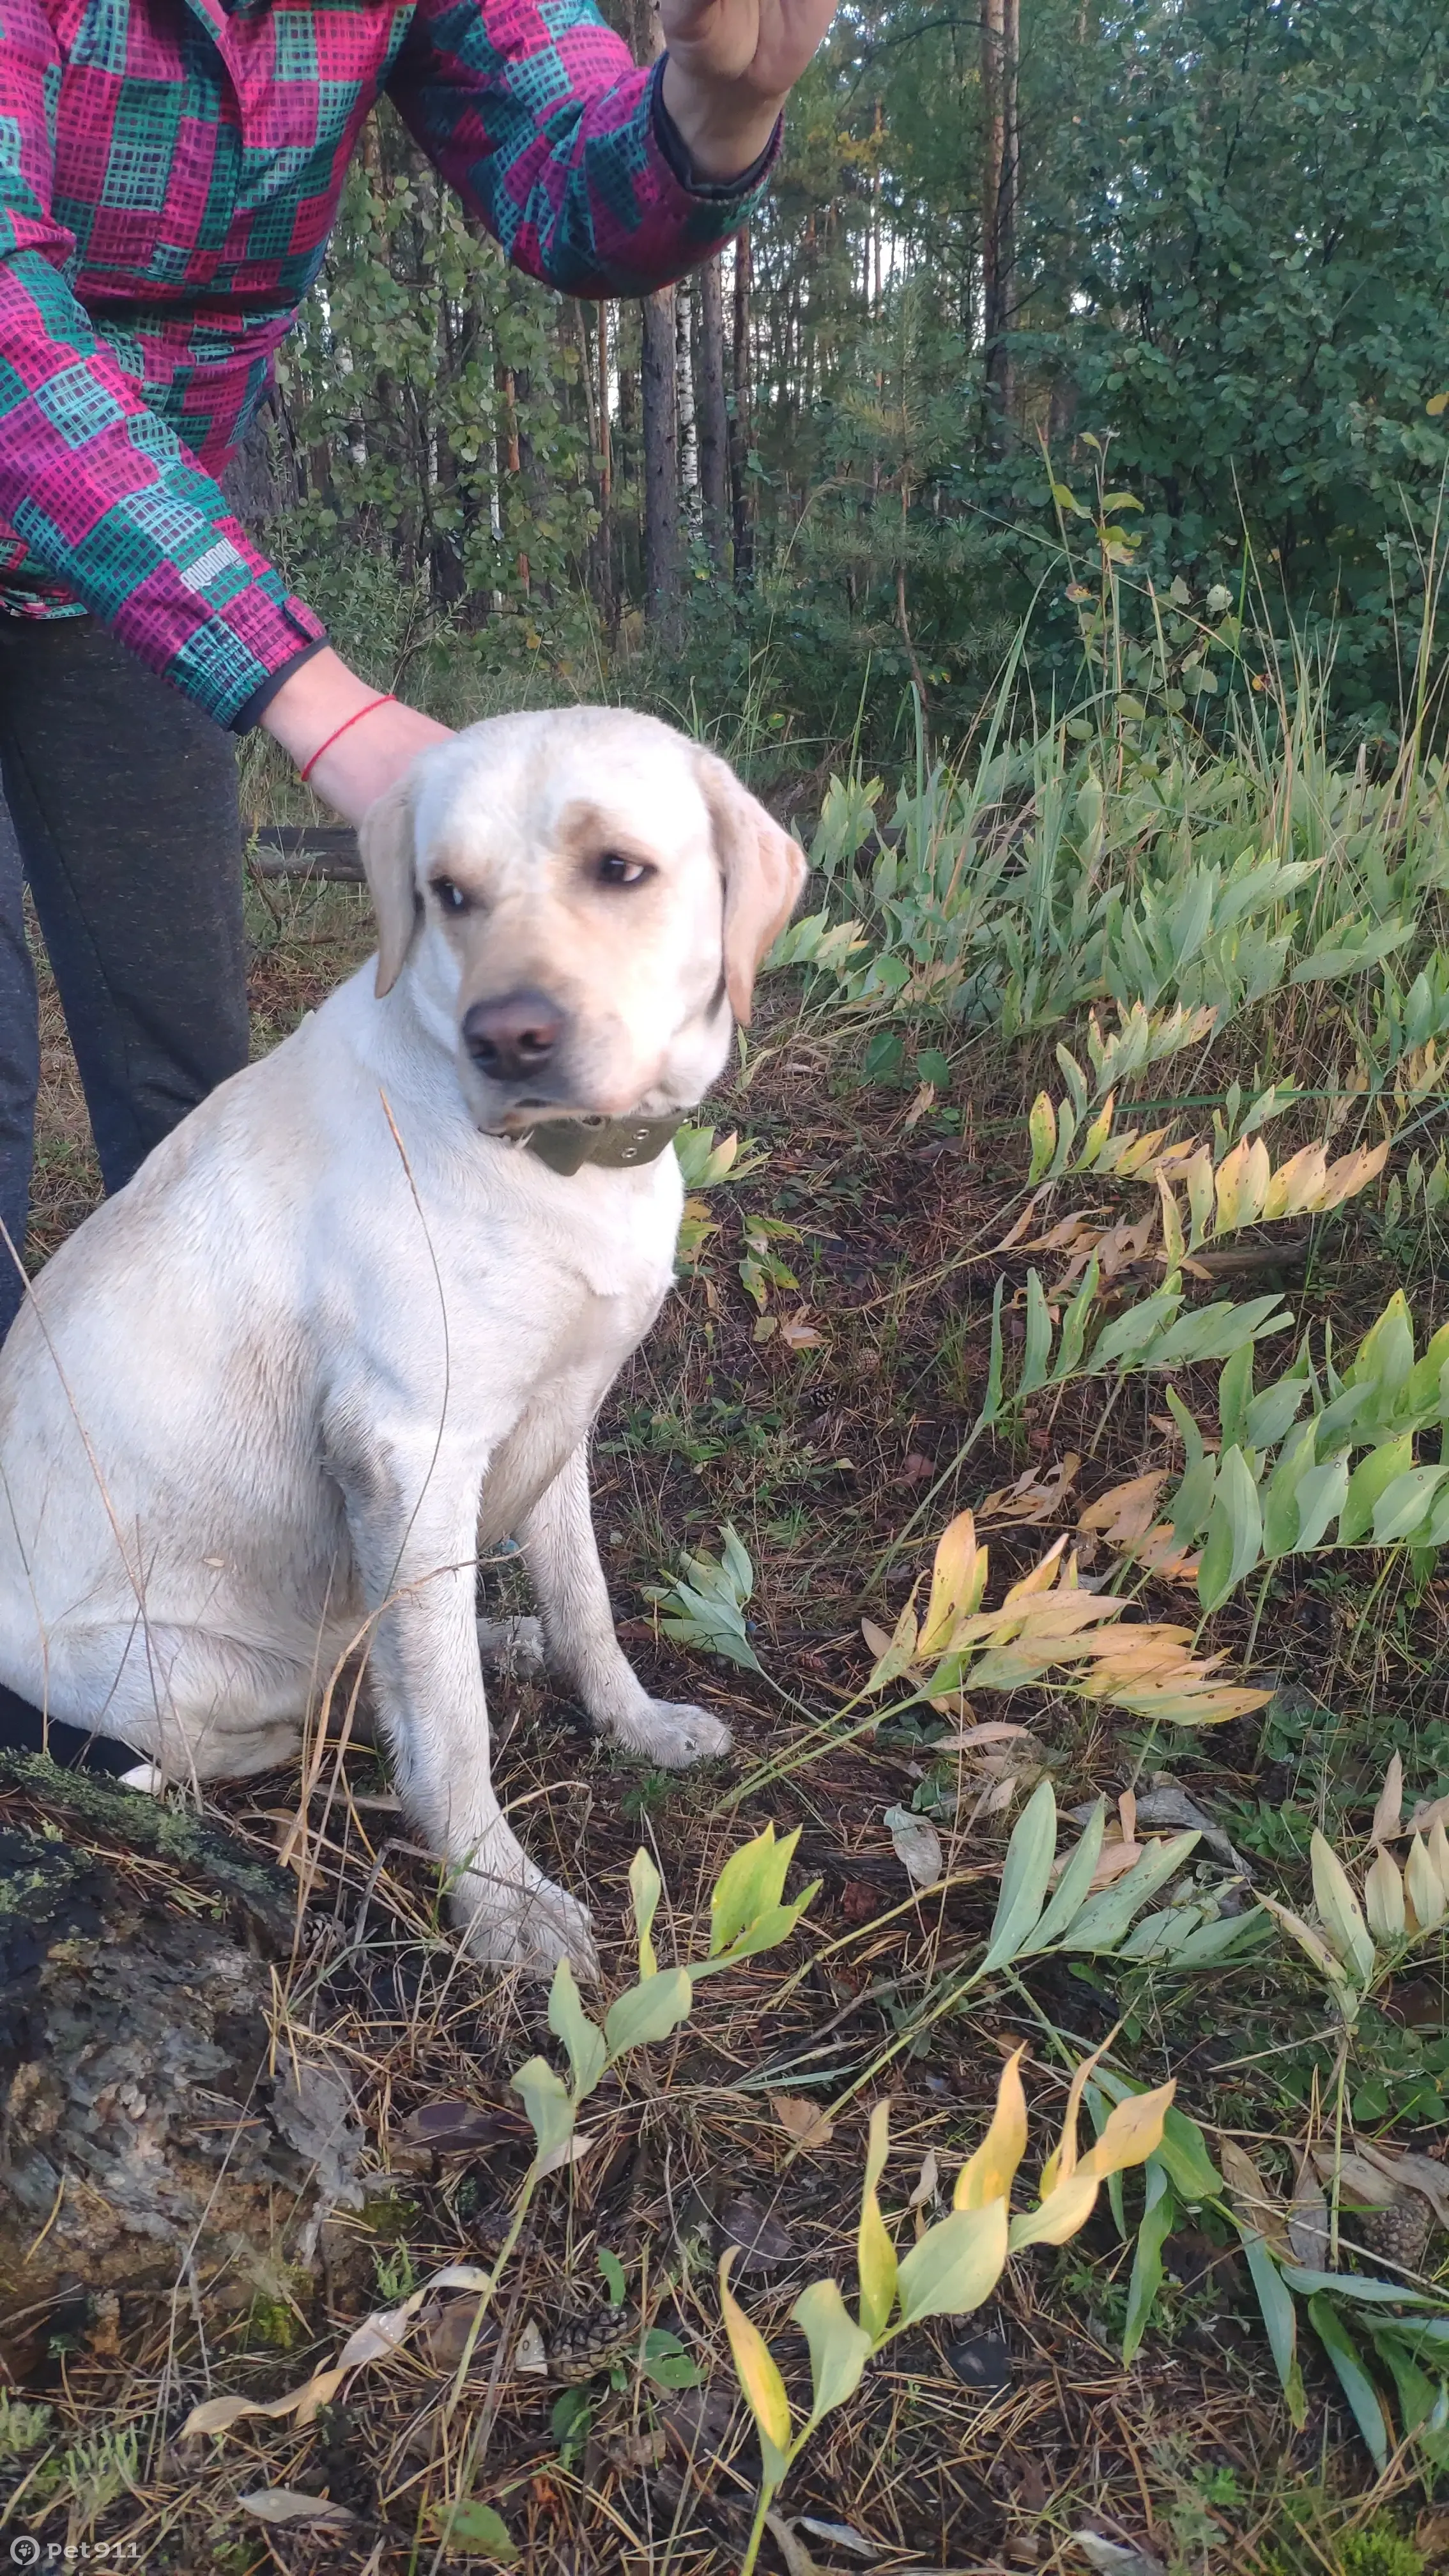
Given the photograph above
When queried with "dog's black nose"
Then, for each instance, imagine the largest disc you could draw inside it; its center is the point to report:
(513, 1036)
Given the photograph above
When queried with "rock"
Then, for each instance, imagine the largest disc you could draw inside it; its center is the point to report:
(138, 2128)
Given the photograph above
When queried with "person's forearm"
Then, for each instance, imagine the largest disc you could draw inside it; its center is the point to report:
(355, 741)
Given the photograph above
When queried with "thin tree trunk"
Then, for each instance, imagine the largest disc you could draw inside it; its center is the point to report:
(661, 398)
(740, 419)
(661, 459)
(606, 478)
(685, 319)
(1000, 47)
(713, 414)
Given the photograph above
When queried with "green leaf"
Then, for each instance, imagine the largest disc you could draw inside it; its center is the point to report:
(548, 2104)
(1235, 1532)
(1075, 1322)
(1071, 1887)
(1405, 1502)
(1183, 2155)
(1105, 1917)
(478, 2528)
(1418, 2395)
(612, 2272)
(1372, 1477)
(839, 2348)
(751, 1883)
(1356, 2285)
(1235, 1392)
(1320, 1496)
(648, 2011)
(955, 2265)
(1158, 2221)
(1280, 2321)
(875, 2254)
(666, 2362)
(1364, 2400)
(645, 1888)
(766, 1933)
(582, 2038)
(1038, 1347)
(1024, 1879)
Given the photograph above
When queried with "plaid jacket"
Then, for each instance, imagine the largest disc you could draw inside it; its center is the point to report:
(169, 175)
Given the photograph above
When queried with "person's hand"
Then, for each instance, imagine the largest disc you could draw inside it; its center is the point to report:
(369, 756)
(730, 66)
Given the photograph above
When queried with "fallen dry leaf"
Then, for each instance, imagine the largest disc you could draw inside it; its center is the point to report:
(1124, 1515)
(1255, 2204)
(376, 2339)
(928, 2182)
(803, 2121)
(917, 1846)
(799, 1335)
(458, 2128)
(1033, 1498)
(760, 2237)
(287, 2504)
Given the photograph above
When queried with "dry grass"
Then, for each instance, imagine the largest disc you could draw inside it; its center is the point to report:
(817, 1456)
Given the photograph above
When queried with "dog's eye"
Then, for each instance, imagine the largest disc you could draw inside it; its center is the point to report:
(451, 897)
(614, 869)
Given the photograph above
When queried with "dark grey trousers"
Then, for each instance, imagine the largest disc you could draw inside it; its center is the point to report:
(123, 799)
(124, 804)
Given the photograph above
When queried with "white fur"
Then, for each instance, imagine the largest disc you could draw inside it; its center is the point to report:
(279, 1391)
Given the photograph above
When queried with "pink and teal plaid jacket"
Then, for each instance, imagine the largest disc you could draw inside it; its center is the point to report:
(169, 175)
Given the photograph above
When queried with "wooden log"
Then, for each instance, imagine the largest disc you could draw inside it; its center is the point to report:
(324, 850)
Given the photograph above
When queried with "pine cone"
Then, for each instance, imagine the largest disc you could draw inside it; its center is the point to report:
(1399, 2234)
(583, 2346)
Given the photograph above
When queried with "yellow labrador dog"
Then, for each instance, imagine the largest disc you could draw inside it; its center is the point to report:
(354, 1319)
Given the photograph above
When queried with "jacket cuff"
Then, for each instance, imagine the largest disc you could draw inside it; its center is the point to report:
(249, 716)
(676, 153)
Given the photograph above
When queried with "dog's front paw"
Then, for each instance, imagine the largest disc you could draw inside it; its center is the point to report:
(529, 1925)
(671, 1735)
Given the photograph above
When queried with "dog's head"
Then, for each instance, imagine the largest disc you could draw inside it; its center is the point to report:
(580, 900)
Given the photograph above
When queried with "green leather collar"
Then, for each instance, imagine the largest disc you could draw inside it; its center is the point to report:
(616, 1144)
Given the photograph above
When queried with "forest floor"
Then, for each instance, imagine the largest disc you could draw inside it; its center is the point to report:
(813, 1426)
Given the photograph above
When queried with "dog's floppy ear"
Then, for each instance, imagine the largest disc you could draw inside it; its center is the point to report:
(763, 871)
(385, 838)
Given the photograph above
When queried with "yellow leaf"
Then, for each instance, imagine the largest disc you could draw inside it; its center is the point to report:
(1242, 1185)
(1383, 1899)
(1422, 1887)
(1040, 1579)
(1133, 2133)
(1351, 1174)
(1294, 1187)
(989, 2173)
(754, 2367)
(1198, 1176)
(1061, 2213)
(1061, 2164)
(958, 1580)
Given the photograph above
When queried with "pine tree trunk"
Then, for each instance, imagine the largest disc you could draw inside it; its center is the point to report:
(713, 415)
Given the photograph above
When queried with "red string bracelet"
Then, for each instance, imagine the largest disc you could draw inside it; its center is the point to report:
(386, 700)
